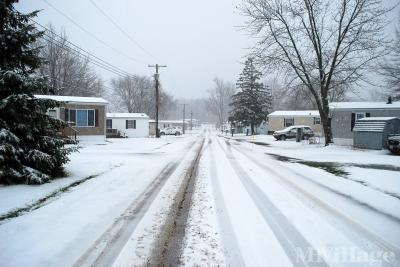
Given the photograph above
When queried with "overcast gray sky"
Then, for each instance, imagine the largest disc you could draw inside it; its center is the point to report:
(198, 40)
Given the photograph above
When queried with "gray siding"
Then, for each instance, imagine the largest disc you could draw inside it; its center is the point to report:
(341, 119)
(369, 140)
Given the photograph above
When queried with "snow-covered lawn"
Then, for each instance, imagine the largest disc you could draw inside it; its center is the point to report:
(90, 160)
(318, 152)
(60, 231)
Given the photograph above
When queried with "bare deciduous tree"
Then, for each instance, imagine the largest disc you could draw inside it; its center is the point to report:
(219, 99)
(321, 44)
(68, 72)
(136, 94)
(391, 68)
(133, 91)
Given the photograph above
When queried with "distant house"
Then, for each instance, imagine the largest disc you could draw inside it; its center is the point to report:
(262, 128)
(345, 114)
(281, 119)
(127, 124)
(85, 116)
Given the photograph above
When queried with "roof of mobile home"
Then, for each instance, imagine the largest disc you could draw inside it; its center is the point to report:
(128, 115)
(74, 99)
(364, 105)
(294, 113)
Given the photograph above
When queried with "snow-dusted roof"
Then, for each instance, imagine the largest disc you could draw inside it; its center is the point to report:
(295, 113)
(74, 99)
(127, 115)
(171, 121)
(372, 124)
(377, 119)
(364, 105)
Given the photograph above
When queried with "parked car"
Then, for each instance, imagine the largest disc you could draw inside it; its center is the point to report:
(394, 144)
(173, 130)
(291, 132)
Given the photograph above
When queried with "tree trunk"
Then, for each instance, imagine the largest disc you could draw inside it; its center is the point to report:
(252, 128)
(326, 122)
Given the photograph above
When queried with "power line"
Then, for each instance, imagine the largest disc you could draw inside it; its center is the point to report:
(82, 52)
(121, 29)
(74, 86)
(79, 54)
(91, 34)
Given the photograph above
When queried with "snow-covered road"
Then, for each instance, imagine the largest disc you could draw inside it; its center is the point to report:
(208, 200)
(285, 214)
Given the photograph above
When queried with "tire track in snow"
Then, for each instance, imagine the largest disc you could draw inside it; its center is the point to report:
(108, 246)
(339, 193)
(229, 239)
(290, 239)
(352, 229)
(169, 246)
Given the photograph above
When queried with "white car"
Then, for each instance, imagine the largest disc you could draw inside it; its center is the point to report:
(173, 130)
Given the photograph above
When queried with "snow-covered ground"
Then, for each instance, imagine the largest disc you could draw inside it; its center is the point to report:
(306, 207)
(318, 152)
(315, 206)
(60, 231)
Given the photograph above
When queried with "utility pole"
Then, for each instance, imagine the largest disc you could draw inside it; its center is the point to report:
(191, 120)
(183, 119)
(156, 76)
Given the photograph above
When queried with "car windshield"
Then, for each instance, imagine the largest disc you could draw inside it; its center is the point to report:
(288, 128)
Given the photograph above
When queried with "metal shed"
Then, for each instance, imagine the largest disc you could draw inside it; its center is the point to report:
(372, 132)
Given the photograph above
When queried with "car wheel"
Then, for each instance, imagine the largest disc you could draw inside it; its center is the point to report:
(306, 137)
(177, 133)
(283, 137)
(162, 133)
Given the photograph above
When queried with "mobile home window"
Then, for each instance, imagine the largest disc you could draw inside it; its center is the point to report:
(82, 117)
(130, 124)
(360, 116)
(53, 113)
(109, 124)
(72, 116)
(288, 122)
(357, 116)
(317, 120)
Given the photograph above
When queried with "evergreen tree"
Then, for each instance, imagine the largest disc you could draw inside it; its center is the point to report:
(30, 149)
(252, 103)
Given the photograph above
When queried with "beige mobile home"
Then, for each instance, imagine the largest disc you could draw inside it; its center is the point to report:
(85, 116)
(281, 119)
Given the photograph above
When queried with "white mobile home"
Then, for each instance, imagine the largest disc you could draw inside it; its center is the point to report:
(127, 124)
(346, 114)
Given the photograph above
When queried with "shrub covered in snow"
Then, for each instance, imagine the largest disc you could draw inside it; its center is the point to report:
(31, 151)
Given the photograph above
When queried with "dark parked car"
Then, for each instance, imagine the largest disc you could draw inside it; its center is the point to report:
(291, 132)
(394, 144)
